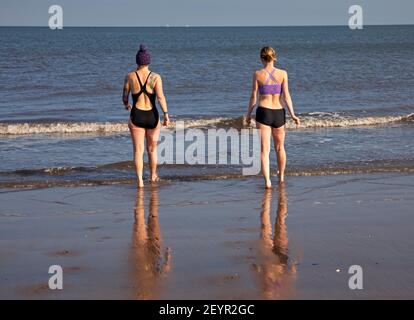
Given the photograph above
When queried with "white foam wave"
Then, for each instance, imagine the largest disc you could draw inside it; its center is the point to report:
(307, 121)
(61, 127)
(344, 122)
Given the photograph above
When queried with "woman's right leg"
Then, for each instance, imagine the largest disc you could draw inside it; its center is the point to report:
(265, 134)
(138, 137)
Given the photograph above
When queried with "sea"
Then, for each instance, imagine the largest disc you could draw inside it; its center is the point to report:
(62, 122)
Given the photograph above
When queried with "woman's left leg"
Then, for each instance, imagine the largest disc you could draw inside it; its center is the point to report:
(152, 136)
(279, 141)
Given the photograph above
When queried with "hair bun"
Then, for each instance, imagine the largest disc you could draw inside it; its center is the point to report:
(268, 54)
(142, 47)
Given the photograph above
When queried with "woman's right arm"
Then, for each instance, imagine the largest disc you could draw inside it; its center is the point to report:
(288, 99)
(125, 93)
(253, 99)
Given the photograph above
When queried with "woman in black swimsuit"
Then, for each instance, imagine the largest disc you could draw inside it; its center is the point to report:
(144, 120)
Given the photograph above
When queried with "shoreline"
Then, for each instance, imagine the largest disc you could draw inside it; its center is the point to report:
(122, 173)
(226, 239)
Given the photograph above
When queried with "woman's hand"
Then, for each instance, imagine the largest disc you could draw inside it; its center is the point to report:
(248, 119)
(296, 120)
(166, 120)
(127, 106)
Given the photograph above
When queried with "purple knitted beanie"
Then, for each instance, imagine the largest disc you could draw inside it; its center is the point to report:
(143, 56)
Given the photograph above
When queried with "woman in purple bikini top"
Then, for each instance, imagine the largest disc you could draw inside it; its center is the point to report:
(267, 88)
(273, 89)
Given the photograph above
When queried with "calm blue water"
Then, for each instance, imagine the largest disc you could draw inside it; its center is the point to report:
(75, 75)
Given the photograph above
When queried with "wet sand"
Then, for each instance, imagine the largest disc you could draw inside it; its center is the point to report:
(225, 239)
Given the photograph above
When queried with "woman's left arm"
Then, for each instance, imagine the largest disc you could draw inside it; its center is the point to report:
(161, 99)
(288, 99)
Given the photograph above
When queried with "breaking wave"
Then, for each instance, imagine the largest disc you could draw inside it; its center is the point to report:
(309, 120)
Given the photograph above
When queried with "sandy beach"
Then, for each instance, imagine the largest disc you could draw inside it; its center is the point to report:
(225, 239)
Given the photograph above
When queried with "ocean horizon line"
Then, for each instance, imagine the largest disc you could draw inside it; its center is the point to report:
(211, 26)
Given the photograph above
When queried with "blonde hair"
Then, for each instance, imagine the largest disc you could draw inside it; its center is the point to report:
(268, 54)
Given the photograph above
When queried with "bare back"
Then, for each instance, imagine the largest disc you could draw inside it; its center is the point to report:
(143, 101)
(263, 78)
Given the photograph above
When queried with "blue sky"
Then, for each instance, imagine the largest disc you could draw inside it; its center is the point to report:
(204, 12)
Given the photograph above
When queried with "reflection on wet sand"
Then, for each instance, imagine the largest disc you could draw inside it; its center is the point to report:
(149, 266)
(275, 271)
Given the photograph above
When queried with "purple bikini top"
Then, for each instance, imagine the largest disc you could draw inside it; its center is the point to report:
(267, 88)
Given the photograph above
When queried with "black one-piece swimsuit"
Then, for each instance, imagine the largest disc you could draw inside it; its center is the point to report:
(147, 119)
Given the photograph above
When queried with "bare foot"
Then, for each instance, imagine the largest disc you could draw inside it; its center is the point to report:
(281, 177)
(268, 184)
(140, 183)
(154, 179)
